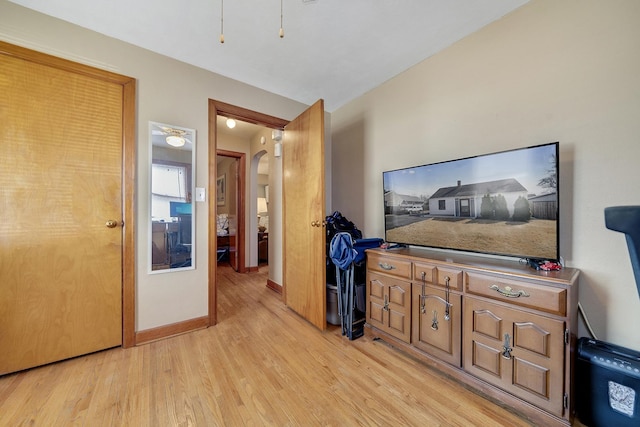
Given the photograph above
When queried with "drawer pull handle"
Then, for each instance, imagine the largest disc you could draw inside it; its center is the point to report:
(385, 266)
(508, 292)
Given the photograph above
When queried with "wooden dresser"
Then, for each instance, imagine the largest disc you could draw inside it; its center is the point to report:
(501, 327)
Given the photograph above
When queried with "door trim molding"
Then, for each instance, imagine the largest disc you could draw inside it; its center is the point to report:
(231, 111)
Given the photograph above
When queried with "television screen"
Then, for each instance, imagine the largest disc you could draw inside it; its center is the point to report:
(177, 209)
(502, 203)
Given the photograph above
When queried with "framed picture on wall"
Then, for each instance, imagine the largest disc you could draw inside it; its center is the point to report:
(221, 189)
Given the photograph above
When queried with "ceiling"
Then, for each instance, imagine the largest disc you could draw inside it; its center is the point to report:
(243, 130)
(336, 50)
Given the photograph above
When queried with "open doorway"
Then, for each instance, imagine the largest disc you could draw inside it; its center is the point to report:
(248, 209)
(230, 208)
(262, 205)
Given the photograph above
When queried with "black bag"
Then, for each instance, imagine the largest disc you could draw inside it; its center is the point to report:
(336, 223)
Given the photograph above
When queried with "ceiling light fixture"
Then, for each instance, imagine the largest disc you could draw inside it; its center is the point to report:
(231, 123)
(221, 21)
(175, 141)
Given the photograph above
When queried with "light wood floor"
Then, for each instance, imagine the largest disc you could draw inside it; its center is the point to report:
(261, 365)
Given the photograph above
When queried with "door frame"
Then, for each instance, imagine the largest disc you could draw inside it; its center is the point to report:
(217, 108)
(128, 85)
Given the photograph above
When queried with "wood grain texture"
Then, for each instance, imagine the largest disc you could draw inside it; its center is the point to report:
(60, 180)
(154, 334)
(303, 213)
(126, 115)
(261, 365)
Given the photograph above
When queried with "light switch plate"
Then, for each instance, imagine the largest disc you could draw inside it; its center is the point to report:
(200, 194)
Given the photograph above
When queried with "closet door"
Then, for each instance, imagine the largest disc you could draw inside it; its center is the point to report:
(61, 213)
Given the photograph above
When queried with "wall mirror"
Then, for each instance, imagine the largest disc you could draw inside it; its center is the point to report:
(171, 200)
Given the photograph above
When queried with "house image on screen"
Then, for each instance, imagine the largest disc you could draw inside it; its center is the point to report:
(401, 203)
(465, 200)
(544, 206)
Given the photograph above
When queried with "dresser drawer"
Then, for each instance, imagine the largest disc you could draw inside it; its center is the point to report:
(540, 297)
(394, 266)
(437, 275)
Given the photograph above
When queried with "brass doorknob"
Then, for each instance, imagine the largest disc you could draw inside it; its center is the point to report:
(112, 223)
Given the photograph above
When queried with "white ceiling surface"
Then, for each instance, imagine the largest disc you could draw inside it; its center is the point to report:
(336, 50)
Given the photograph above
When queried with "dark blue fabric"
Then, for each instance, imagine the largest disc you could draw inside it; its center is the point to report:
(362, 245)
(341, 250)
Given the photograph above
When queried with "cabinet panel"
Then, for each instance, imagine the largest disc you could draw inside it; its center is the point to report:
(485, 322)
(438, 275)
(399, 324)
(389, 305)
(531, 377)
(400, 268)
(398, 295)
(375, 313)
(425, 272)
(545, 298)
(376, 288)
(431, 331)
(486, 358)
(454, 276)
(526, 358)
(530, 336)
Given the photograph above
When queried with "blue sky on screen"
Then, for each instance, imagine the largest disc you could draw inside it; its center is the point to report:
(527, 165)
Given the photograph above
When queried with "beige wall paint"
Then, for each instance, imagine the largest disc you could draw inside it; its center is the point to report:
(565, 71)
(168, 92)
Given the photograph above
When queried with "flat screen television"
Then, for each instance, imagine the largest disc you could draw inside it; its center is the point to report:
(503, 203)
(177, 209)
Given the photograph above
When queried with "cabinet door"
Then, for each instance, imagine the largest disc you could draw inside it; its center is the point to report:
(435, 329)
(520, 352)
(389, 305)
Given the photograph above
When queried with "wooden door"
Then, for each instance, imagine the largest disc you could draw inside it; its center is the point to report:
(61, 181)
(304, 239)
(235, 212)
(234, 205)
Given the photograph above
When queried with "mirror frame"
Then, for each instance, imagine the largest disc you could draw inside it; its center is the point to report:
(158, 133)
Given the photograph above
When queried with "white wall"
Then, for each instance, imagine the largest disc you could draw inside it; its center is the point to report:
(566, 70)
(170, 92)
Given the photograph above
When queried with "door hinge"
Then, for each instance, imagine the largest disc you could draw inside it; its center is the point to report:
(565, 401)
(566, 337)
